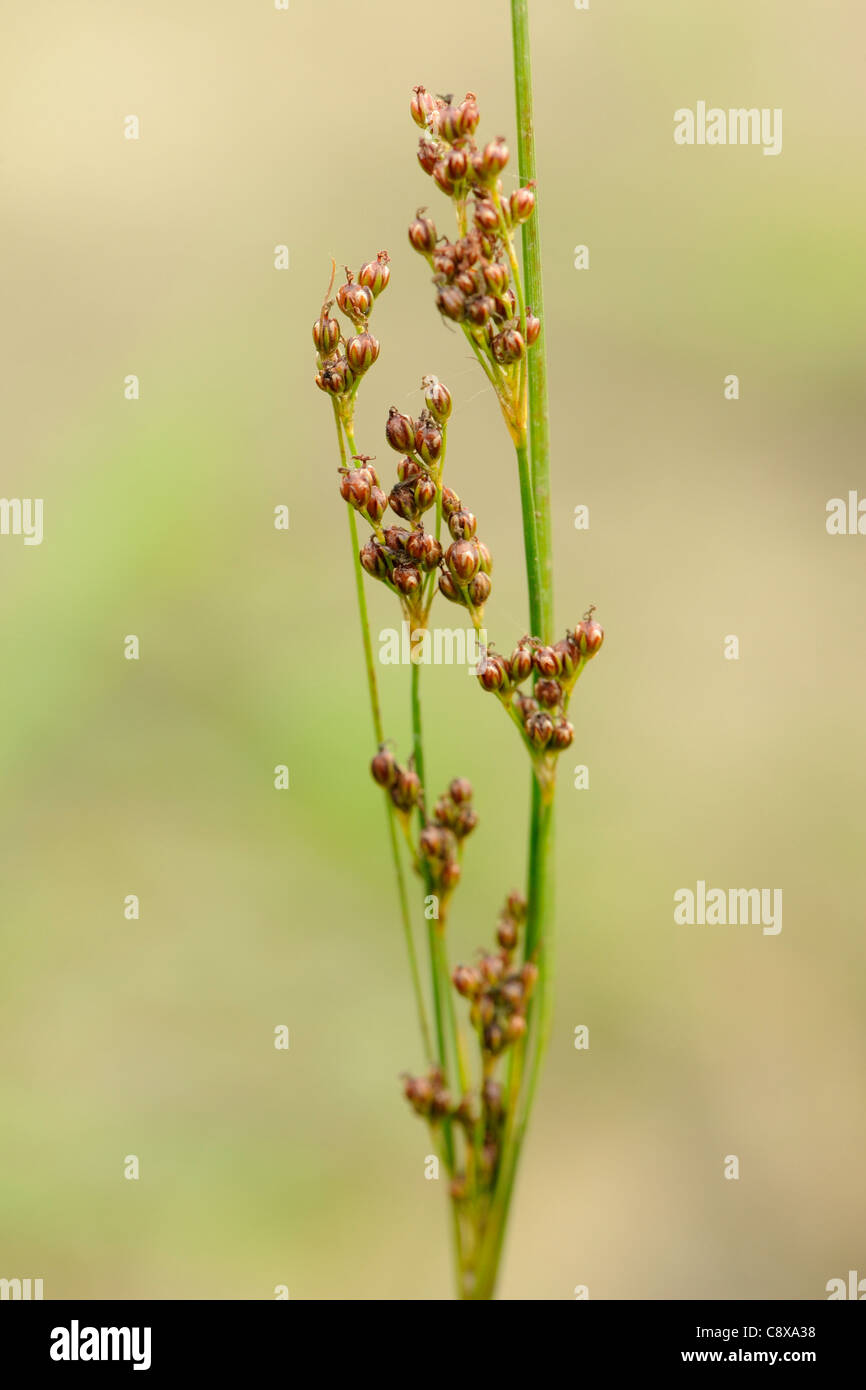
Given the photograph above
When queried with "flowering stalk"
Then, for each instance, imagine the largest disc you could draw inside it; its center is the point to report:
(477, 1121)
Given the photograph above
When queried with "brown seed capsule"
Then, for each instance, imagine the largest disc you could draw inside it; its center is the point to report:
(437, 398)
(515, 906)
(445, 261)
(421, 106)
(376, 274)
(401, 500)
(568, 654)
(485, 558)
(428, 440)
(529, 974)
(533, 327)
(457, 165)
(506, 933)
(520, 663)
(450, 121)
(376, 504)
(428, 155)
(463, 560)
(355, 488)
(450, 502)
(492, 672)
(546, 661)
(362, 352)
(451, 303)
(442, 178)
(399, 430)
(486, 216)
(515, 1027)
(491, 1094)
(496, 277)
(326, 334)
(425, 493)
(373, 559)
(384, 768)
(494, 1039)
(522, 203)
(448, 589)
(495, 156)
(469, 115)
(508, 346)
(449, 876)
(525, 706)
(466, 981)
(422, 234)
(548, 693)
(588, 635)
(479, 309)
(335, 377)
(407, 579)
(479, 590)
(462, 525)
(460, 790)
(467, 820)
(492, 968)
(512, 992)
(396, 538)
(433, 842)
(539, 728)
(408, 469)
(432, 553)
(563, 734)
(356, 301)
(419, 1093)
(406, 789)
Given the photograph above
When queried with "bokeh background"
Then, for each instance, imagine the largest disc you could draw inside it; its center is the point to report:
(155, 777)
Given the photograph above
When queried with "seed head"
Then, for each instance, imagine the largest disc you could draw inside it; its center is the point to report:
(376, 274)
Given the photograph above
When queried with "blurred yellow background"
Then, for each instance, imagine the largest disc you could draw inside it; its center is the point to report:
(155, 1037)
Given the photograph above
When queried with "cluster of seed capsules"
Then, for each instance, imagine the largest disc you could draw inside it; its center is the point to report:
(342, 361)
(402, 784)
(401, 556)
(472, 274)
(498, 988)
(440, 841)
(541, 714)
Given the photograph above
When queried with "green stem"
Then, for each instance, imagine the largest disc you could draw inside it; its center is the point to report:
(390, 813)
(539, 417)
(530, 541)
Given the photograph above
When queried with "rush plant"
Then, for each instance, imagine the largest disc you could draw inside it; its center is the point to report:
(477, 1106)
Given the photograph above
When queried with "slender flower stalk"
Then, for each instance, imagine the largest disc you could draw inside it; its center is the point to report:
(477, 1107)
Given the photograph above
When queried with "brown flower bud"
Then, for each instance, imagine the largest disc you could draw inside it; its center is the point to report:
(515, 906)
(479, 310)
(376, 274)
(520, 664)
(457, 164)
(462, 525)
(399, 431)
(539, 728)
(355, 488)
(467, 283)
(479, 590)
(496, 277)
(485, 558)
(521, 204)
(384, 768)
(548, 693)
(569, 655)
(533, 327)
(419, 1093)
(424, 549)
(463, 560)
(512, 992)
(448, 589)
(450, 123)
(451, 303)
(326, 334)
(407, 579)
(467, 819)
(408, 469)
(529, 974)
(494, 1039)
(421, 106)
(469, 115)
(445, 261)
(525, 706)
(434, 842)
(449, 875)
(437, 398)
(422, 234)
(442, 178)
(563, 734)
(492, 671)
(362, 352)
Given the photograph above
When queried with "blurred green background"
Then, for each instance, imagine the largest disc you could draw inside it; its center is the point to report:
(155, 777)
